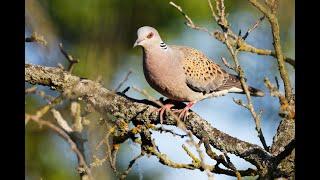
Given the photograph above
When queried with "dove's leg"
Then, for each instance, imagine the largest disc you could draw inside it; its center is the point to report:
(184, 112)
(163, 109)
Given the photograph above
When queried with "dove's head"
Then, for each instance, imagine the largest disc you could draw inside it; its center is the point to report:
(147, 36)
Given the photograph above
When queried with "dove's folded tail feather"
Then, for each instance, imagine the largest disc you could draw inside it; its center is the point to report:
(256, 92)
(234, 81)
(253, 91)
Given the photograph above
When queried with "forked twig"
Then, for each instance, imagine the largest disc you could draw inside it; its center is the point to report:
(253, 27)
(70, 58)
(83, 168)
(123, 81)
(125, 173)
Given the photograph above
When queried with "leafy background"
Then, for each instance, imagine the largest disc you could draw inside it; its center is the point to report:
(101, 34)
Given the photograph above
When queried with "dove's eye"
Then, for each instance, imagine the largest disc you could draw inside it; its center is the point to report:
(150, 35)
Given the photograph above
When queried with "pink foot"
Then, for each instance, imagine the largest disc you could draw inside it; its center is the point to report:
(183, 113)
(163, 109)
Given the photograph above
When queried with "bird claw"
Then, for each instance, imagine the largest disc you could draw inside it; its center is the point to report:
(162, 110)
(183, 113)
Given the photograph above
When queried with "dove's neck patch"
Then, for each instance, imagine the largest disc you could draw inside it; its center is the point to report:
(163, 46)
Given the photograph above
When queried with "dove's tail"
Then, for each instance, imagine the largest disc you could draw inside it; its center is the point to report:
(255, 92)
(234, 82)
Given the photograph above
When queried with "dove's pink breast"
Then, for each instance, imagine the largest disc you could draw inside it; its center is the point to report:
(166, 75)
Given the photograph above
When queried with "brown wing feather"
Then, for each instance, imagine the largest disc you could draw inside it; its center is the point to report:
(202, 74)
(232, 81)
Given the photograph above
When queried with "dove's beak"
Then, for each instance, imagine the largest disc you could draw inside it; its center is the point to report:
(137, 43)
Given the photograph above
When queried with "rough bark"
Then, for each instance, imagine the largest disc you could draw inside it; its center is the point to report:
(108, 103)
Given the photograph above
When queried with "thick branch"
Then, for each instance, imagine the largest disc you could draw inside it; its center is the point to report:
(108, 103)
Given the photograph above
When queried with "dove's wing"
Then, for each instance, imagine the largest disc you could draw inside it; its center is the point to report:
(202, 74)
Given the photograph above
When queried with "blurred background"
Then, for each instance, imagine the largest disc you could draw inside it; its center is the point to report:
(101, 34)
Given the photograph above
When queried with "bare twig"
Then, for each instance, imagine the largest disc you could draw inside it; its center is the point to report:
(274, 91)
(240, 103)
(83, 169)
(31, 90)
(109, 149)
(195, 160)
(224, 25)
(105, 139)
(164, 159)
(97, 162)
(273, 5)
(35, 37)
(162, 129)
(249, 105)
(114, 152)
(43, 110)
(63, 123)
(220, 159)
(75, 141)
(76, 114)
(253, 27)
(277, 82)
(287, 109)
(222, 20)
(123, 81)
(124, 175)
(243, 46)
(71, 59)
(189, 22)
(231, 166)
(214, 15)
(270, 14)
(225, 62)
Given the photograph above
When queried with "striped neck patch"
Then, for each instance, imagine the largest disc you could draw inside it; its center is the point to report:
(163, 46)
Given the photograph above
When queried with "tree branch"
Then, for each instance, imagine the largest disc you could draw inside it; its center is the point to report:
(84, 170)
(277, 45)
(246, 47)
(233, 39)
(140, 111)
